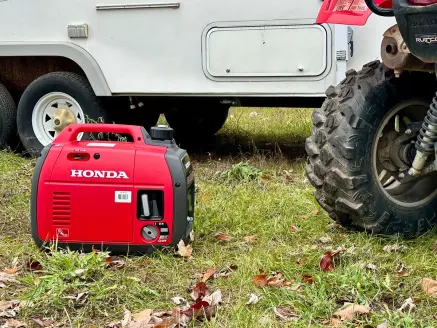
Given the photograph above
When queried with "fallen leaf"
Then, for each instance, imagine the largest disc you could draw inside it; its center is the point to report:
(382, 325)
(127, 318)
(274, 280)
(42, 323)
(12, 323)
(296, 288)
(315, 212)
(408, 303)
(335, 322)
(199, 309)
(304, 217)
(7, 278)
(214, 298)
(394, 248)
(348, 311)
(79, 272)
(265, 321)
(204, 197)
(178, 300)
(199, 291)
(34, 266)
(284, 313)
(254, 298)
(307, 279)
(429, 286)
(192, 235)
(209, 274)
(325, 240)
(112, 262)
(13, 270)
(327, 263)
(9, 309)
(249, 239)
(226, 272)
(371, 267)
(260, 280)
(2, 285)
(223, 237)
(184, 251)
(294, 228)
(145, 263)
(401, 270)
(141, 319)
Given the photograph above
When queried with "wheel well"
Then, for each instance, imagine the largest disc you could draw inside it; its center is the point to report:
(16, 73)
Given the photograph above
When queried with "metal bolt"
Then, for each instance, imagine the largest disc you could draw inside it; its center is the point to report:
(57, 122)
(228, 70)
(408, 132)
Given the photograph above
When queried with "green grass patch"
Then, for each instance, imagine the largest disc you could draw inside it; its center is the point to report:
(245, 195)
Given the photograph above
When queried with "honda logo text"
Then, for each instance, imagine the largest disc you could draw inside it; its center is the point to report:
(99, 174)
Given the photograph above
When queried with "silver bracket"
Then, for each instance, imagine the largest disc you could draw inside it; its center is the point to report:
(78, 31)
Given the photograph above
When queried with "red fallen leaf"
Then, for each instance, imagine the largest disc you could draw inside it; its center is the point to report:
(294, 228)
(260, 280)
(34, 266)
(199, 291)
(223, 237)
(327, 263)
(307, 279)
(209, 274)
(198, 309)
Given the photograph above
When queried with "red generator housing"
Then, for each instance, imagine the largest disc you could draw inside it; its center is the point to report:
(118, 196)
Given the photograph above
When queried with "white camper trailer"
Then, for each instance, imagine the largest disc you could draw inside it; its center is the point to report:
(63, 61)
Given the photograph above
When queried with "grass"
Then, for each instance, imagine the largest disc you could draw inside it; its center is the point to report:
(257, 189)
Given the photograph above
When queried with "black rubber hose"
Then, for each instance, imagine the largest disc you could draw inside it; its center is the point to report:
(379, 11)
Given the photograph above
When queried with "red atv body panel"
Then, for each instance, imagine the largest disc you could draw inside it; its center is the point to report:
(347, 12)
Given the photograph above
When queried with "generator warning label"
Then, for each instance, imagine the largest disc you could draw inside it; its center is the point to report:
(123, 197)
(63, 232)
(350, 5)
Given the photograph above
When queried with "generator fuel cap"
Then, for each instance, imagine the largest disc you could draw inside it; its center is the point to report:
(161, 132)
(150, 232)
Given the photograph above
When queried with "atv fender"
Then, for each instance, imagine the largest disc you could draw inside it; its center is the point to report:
(347, 12)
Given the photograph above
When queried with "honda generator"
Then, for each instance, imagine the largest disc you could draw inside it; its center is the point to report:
(121, 197)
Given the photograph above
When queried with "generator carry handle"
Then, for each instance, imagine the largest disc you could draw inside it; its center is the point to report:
(70, 133)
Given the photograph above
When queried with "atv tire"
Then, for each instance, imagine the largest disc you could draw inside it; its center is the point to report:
(340, 152)
(8, 114)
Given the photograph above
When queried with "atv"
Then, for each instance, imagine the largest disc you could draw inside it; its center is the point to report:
(372, 152)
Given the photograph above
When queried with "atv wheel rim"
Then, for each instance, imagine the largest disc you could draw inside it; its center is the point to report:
(389, 156)
(52, 113)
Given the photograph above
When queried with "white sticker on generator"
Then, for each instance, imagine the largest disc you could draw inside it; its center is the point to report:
(98, 144)
(123, 197)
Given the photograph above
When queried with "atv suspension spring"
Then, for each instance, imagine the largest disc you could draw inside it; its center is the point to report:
(428, 133)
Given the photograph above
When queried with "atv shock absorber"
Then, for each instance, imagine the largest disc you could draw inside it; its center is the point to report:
(426, 140)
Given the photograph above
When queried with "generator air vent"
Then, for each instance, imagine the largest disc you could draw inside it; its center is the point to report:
(61, 209)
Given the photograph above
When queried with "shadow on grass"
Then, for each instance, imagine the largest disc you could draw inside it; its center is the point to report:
(228, 144)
